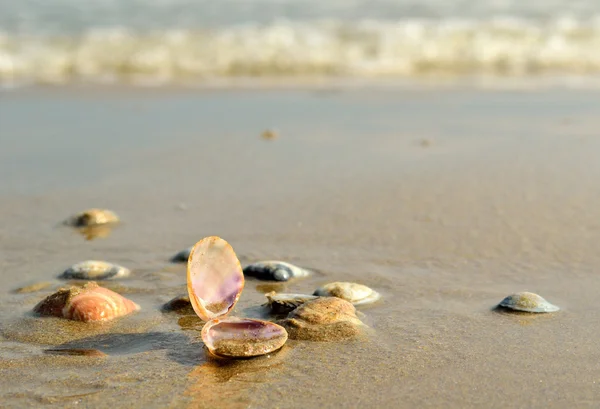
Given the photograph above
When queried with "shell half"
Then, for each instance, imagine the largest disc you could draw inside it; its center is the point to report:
(93, 217)
(357, 294)
(527, 302)
(214, 278)
(183, 256)
(232, 337)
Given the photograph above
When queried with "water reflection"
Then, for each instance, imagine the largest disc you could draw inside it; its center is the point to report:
(232, 383)
(96, 232)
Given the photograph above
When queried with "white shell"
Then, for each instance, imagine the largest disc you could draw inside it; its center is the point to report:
(282, 302)
(528, 302)
(357, 294)
(95, 270)
(274, 270)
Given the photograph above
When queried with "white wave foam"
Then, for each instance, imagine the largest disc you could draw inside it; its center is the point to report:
(369, 49)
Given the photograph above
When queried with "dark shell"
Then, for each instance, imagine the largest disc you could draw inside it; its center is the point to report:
(274, 271)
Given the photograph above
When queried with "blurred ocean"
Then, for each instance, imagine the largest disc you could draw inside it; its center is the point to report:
(199, 41)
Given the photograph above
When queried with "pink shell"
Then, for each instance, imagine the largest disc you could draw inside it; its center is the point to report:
(98, 304)
(215, 279)
(88, 303)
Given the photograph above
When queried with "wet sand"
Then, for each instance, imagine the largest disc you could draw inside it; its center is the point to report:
(443, 201)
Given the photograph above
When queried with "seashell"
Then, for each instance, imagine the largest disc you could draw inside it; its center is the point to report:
(95, 270)
(527, 302)
(88, 303)
(93, 217)
(274, 271)
(180, 303)
(182, 256)
(232, 337)
(215, 282)
(283, 303)
(357, 294)
(323, 319)
(214, 278)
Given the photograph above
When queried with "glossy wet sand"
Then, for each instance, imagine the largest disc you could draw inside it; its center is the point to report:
(502, 198)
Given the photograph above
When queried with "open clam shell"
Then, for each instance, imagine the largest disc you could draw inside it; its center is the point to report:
(214, 278)
(232, 337)
(527, 302)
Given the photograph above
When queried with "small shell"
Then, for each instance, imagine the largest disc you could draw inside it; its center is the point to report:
(527, 302)
(214, 278)
(323, 319)
(95, 270)
(283, 303)
(88, 303)
(93, 217)
(357, 294)
(180, 303)
(182, 256)
(233, 337)
(274, 271)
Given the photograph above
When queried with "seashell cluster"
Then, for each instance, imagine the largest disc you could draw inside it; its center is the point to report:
(215, 281)
(527, 302)
(93, 217)
(323, 319)
(274, 271)
(88, 303)
(95, 270)
(357, 294)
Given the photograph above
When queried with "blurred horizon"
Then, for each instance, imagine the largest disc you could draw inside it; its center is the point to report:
(187, 41)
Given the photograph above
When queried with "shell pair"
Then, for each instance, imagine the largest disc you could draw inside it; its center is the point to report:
(215, 281)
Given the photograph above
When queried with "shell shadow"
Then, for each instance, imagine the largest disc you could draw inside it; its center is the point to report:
(180, 348)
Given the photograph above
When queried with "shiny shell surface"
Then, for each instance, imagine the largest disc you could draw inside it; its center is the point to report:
(323, 319)
(214, 278)
(232, 337)
(95, 270)
(527, 302)
(93, 217)
(283, 303)
(274, 271)
(357, 294)
(88, 303)
(182, 256)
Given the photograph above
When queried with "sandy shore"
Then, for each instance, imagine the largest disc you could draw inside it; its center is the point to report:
(444, 201)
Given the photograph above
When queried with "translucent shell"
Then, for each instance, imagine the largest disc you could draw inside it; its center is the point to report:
(233, 337)
(214, 278)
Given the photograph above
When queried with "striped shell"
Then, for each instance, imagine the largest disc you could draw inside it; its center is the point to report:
(88, 303)
(95, 270)
(527, 302)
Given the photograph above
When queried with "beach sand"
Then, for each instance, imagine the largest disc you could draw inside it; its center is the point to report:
(443, 200)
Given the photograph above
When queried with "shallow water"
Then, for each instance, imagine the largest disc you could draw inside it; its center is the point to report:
(444, 201)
